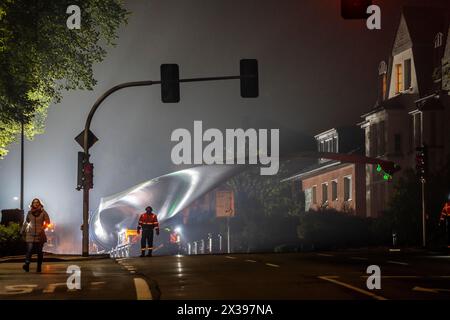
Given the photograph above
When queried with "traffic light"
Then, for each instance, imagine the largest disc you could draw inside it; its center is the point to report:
(80, 171)
(89, 175)
(85, 176)
(421, 162)
(387, 169)
(249, 78)
(170, 83)
(355, 9)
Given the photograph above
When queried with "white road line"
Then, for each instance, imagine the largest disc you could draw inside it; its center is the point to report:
(132, 272)
(394, 250)
(248, 260)
(359, 258)
(398, 262)
(272, 265)
(142, 290)
(97, 283)
(52, 286)
(396, 277)
(348, 286)
(325, 255)
(229, 257)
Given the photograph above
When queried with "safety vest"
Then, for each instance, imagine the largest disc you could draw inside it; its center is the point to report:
(445, 212)
(148, 221)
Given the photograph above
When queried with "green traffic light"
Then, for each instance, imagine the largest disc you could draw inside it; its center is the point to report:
(378, 168)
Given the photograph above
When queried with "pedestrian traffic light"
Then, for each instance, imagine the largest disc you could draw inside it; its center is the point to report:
(249, 78)
(421, 162)
(355, 9)
(170, 83)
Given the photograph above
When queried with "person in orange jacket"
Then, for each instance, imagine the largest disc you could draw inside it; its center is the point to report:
(147, 222)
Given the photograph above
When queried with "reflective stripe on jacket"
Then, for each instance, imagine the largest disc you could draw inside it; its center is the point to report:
(148, 221)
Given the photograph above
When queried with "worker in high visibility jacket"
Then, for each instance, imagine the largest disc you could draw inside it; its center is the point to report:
(445, 212)
(147, 222)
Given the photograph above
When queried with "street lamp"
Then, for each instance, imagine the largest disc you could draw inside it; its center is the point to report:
(170, 87)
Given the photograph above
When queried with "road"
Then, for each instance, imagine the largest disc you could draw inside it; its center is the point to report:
(287, 276)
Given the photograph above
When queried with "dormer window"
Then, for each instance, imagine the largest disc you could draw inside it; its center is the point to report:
(407, 74)
(398, 78)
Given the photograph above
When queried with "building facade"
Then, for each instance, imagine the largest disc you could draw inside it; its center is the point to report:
(331, 184)
(413, 105)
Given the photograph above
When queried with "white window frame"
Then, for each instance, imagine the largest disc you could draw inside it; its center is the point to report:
(350, 177)
(337, 192)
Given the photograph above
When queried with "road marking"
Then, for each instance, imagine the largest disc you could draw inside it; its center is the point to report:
(229, 257)
(348, 286)
(132, 272)
(97, 283)
(359, 258)
(248, 260)
(325, 255)
(431, 290)
(52, 287)
(398, 262)
(394, 250)
(19, 289)
(272, 265)
(396, 277)
(142, 290)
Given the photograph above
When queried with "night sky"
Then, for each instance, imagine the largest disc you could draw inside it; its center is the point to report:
(317, 71)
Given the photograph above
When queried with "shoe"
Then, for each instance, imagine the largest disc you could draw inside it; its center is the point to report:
(142, 255)
(149, 254)
(26, 267)
(39, 268)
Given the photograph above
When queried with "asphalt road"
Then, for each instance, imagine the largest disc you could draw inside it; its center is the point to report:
(325, 275)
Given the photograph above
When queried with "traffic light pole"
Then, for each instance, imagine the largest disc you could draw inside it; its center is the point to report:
(86, 188)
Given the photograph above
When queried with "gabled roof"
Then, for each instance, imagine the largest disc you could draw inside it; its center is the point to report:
(423, 24)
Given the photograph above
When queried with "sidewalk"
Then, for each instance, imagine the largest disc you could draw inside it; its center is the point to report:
(51, 257)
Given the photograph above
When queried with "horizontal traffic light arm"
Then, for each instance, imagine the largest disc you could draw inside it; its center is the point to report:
(387, 166)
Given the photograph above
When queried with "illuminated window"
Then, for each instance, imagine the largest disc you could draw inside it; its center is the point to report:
(324, 193)
(384, 85)
(399, 78)
(334, 196)
(347, 188)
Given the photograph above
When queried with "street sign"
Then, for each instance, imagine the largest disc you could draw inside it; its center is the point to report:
(91, 139)
(224, 203)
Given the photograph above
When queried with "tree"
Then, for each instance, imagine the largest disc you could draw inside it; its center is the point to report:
(40, 57)
(266, 209)
(404, 214)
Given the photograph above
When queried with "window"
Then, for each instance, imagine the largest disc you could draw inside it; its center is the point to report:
(407, 74)
(314, 195)
(384, 86)
(381, 139)
(347, 188)
(438, 40)
(398, 143)
(324, 193)
(398, 78)
(334, 196)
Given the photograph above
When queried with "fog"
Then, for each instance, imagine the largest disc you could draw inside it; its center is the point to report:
(317, 71)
